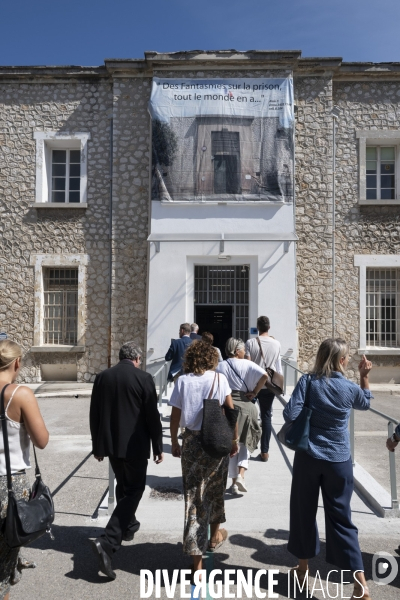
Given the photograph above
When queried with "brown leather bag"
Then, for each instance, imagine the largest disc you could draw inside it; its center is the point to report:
(275, 380)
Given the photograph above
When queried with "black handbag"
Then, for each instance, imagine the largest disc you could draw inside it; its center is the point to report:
(275, 380)
(25, 521)
(295, 434)
(218, 426)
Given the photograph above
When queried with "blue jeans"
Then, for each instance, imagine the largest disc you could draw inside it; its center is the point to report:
(265, 398)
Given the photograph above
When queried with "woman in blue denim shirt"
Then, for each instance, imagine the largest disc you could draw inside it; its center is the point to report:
(327, 464)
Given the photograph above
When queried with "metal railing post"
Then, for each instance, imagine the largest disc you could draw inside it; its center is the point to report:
(160, 389)
(284, 378)
(165, 378)
(111, 489)
(392, 470)
(352, 436)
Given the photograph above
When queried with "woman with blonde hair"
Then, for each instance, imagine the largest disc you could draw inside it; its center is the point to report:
(246, 379)
(204, 477)
(327, 464)
(24, 423)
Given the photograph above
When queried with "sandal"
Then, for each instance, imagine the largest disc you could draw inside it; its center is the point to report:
(358, 593)
(192, 576)
(301, 575)
(213, 545)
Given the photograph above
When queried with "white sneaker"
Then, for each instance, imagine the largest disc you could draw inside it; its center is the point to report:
(233, 489)
(241, 484)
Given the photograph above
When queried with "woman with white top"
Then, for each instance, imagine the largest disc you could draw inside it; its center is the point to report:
(24, 423)
(204, 477)
(246, 379)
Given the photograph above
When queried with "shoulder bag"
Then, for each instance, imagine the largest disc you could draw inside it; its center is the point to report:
(295, 434)
(217, 426)
(275, 380)
(25, 521)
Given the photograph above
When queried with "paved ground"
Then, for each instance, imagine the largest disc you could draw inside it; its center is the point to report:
(257, 521)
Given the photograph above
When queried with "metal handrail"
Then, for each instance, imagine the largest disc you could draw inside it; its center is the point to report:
(295, 369)
(391, 422)
(386, 417)
(160, 379)
(160, 369)
(291, 366)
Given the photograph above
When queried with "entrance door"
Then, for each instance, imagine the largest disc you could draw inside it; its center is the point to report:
(226, 155)
(218, 321)
(225, 175)
(224, 291)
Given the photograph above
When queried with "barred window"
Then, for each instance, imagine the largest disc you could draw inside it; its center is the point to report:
(60, 306)
(380, 172)
(66, 176)
(382, 306)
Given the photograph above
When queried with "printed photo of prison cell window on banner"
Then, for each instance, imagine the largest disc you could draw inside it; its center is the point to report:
(222, 139)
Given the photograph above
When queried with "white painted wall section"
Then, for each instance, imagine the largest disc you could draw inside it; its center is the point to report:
(171, 288)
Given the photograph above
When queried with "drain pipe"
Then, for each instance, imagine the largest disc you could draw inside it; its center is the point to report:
(335, 115)
(110, 238)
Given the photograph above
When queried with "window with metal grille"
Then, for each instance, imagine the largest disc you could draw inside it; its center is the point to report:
(380, 173)
(382, 323)
(65, 176)
(60, 306)
(225, 286)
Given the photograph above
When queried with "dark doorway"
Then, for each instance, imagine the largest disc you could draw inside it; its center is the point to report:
(225, 149)
(218, 321)
(225, 175)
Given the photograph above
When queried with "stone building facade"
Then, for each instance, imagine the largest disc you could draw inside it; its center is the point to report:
(111, 238)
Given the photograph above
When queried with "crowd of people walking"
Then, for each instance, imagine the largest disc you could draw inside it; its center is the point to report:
(125, 423)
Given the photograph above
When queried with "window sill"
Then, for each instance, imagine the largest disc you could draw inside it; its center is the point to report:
(223, 202)
(51, 348)
(69, 206)
(364, 202)
(379, 351)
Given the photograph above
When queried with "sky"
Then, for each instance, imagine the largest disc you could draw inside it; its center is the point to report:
(85, 32)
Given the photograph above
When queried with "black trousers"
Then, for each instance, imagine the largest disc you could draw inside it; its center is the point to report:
(335, 480)
(265, 398)
(130, 474)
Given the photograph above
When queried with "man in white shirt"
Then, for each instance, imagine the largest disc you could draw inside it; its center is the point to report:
(265, 351)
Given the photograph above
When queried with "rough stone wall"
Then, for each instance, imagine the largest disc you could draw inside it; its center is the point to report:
(73, 106)
(371, 105)
(313, 158)
(359, 229)
(79, 106)
(131, 172)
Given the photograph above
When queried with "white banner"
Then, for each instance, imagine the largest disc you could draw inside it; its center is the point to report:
(236, 97)
(222, 138)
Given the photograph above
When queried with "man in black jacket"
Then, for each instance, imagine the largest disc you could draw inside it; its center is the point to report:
(123, 420)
